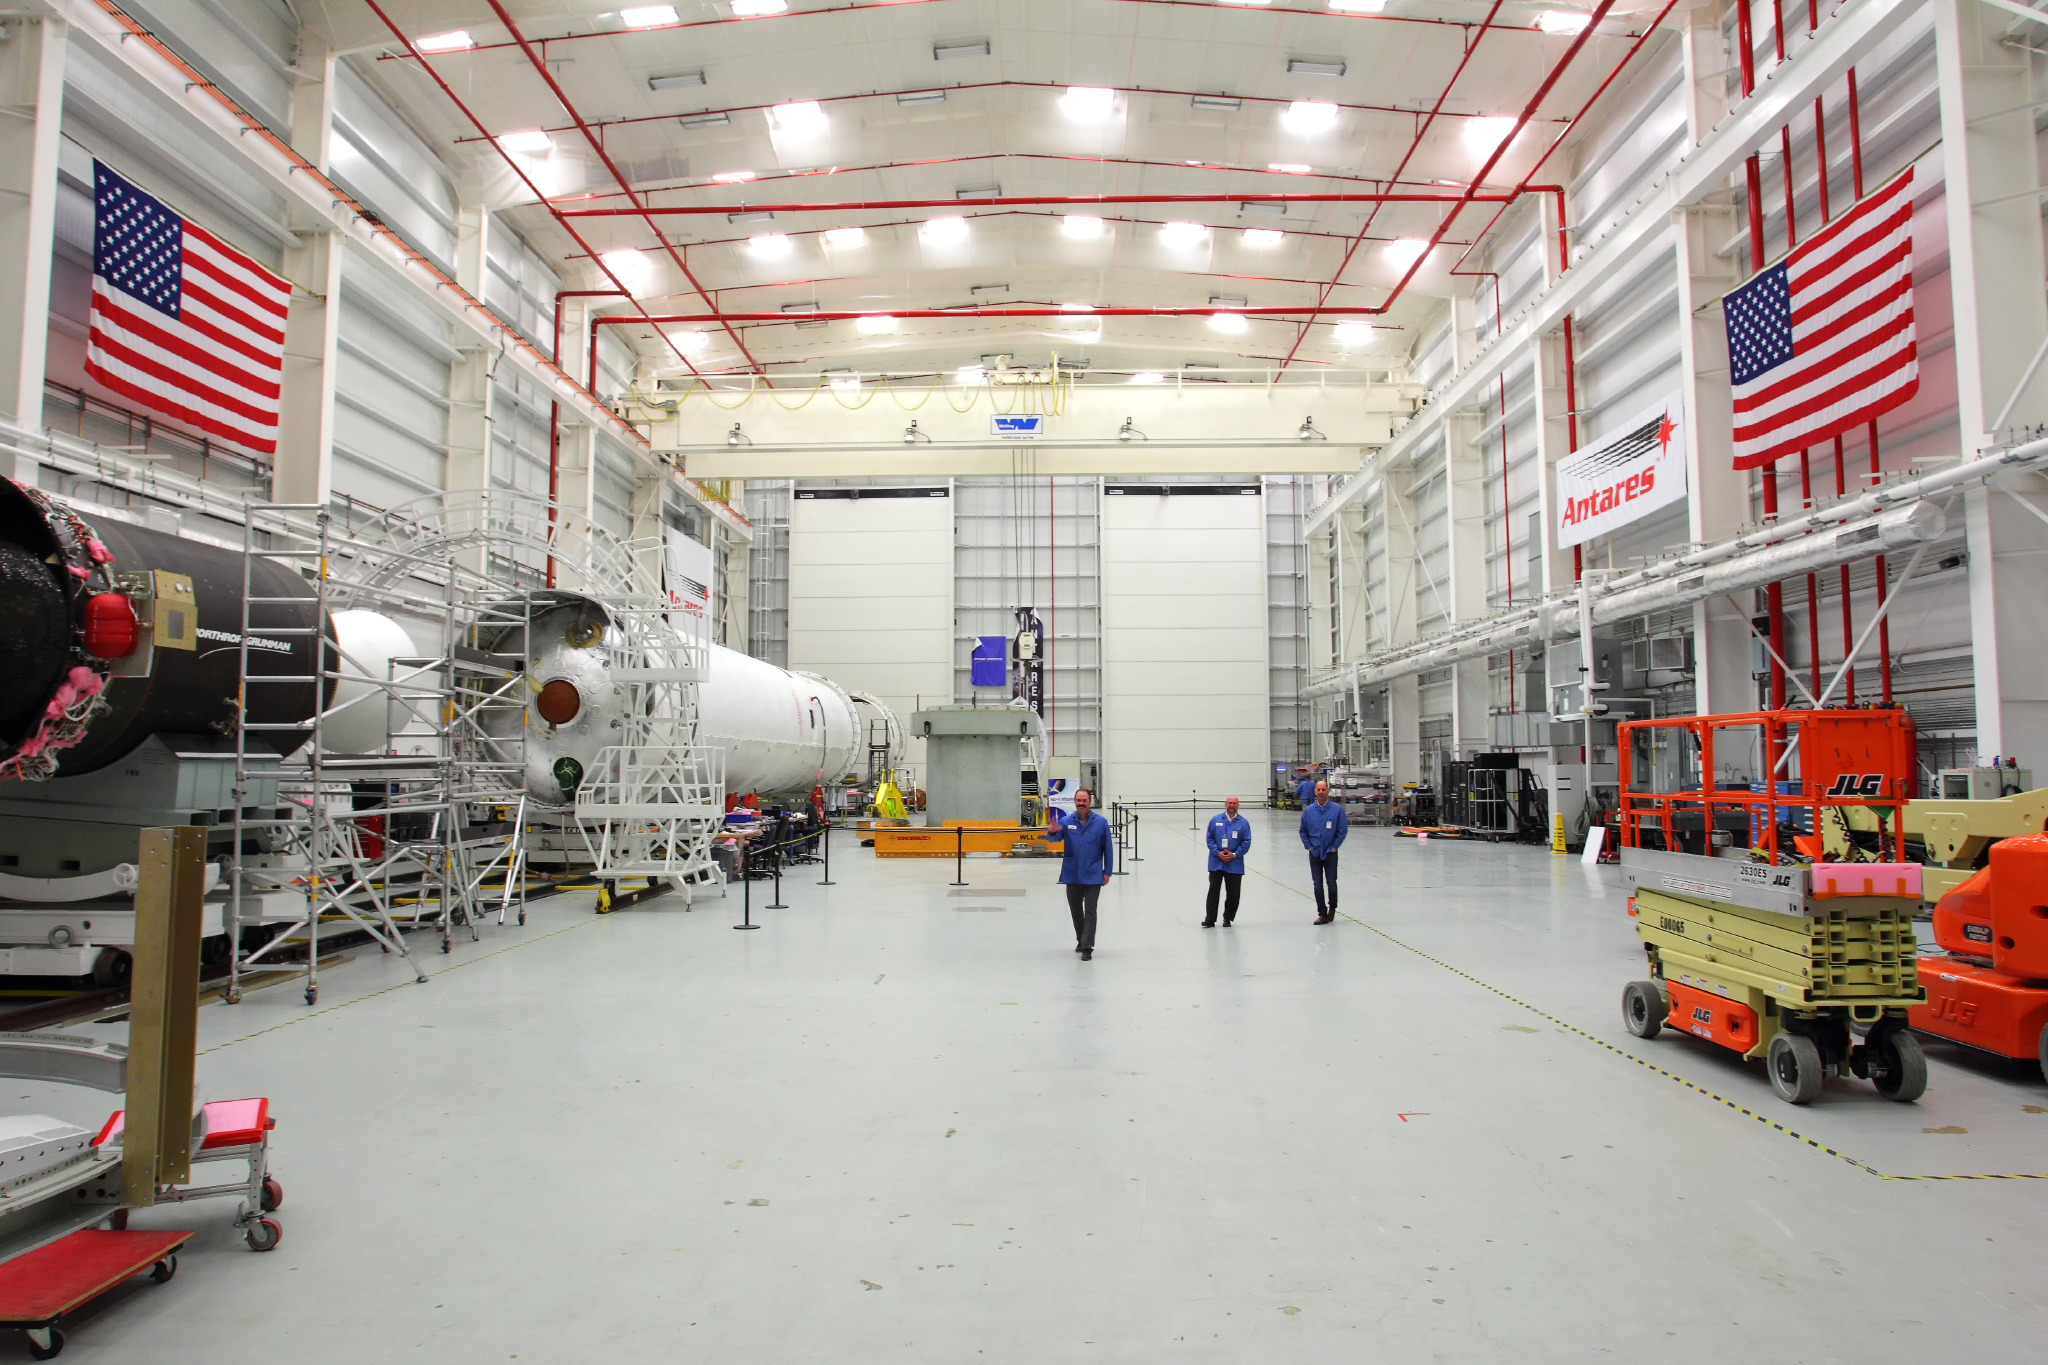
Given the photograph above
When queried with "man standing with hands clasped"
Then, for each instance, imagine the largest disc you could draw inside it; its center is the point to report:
(1087, 858)
(1323, 828)
(1230, 838)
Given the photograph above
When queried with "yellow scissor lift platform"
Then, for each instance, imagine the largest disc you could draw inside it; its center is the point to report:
(1758, 959)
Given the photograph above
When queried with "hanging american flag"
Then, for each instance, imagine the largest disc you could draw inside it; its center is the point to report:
(1823, 341)
(181, 322)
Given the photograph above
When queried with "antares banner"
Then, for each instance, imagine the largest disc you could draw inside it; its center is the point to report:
(687, 575)
(1623, 478)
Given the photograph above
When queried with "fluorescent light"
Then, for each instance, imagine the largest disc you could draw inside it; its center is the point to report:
(1088, 103)
(769, 246)
(1309, 116)
(953, 52)
(1563, 21)
(691, 343)
(1484, 134)
(874, 323)
(716, 119)
(647, 16)
(1226, 300)
(675, 80)
(943, 231)
(1148, 377)
(1244, 2)
(842, 238)
(1222, 104)
(843, 379)
(733, 177)
(750, 216)
(628, 258)
(921, 97)
(969, 374)
(1358, 6)
(802, 118)
(1289, 167)
(982, 291)
(991, 190)
(456, 41)
(1081, 226)
(631, 268)
(754, 9)
(1264, 237)
(1406, 251)
(1230, 324)
(1183, 234)
(1077, 308)
(529, 140)
(1273, 207)
(1351, 335)
(1315, 66)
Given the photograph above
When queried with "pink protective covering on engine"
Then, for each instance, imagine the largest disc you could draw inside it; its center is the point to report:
(1866, 879)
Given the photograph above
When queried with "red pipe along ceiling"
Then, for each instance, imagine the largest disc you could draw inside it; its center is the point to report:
(1061, 201)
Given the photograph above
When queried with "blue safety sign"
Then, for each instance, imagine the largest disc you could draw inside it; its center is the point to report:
(1013, 428)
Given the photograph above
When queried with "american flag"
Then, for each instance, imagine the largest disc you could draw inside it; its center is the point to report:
(182, 323)
(1823, 341)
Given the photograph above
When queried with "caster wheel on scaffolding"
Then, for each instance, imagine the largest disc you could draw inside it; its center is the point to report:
(44, 1343)
(263, 1235)
(162, 1271)
(273, 1194)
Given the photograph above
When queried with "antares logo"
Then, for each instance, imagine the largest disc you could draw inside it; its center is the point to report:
(1611, 497)
(1626, 476)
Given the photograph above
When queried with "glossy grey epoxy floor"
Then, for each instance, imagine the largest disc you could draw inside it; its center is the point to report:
(899, 1124)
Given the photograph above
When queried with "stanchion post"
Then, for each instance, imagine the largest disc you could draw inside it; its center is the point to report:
(1191, 810)
(780, 844)
(1134, 838)
(959, 855)
(746, 893)
(825, 838)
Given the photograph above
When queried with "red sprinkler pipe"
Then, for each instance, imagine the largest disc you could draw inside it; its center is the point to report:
(1027, 311)
(1053, 201)
(1884, 624)
(1774, 595)
(517, 169)
(597, 146)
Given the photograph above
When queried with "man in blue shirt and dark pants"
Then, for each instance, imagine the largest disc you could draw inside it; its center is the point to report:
(1087, 858)
(1230, 838)
(1323, 828)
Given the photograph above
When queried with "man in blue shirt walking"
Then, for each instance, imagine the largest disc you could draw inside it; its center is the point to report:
(1305, 792)
(1323, 828)
(1087, 857)
(1230, 838)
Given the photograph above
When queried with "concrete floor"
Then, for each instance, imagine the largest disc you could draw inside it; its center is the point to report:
(905, 1124)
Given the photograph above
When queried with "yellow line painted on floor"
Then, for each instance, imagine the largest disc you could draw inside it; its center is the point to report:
(1693, 1086)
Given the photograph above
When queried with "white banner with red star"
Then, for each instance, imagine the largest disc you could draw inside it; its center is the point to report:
(1623, 478)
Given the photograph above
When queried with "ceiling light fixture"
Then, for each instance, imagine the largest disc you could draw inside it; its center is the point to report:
(1127, 431)
(675, 80)
(1077, 308)
(733, 177)
(1271, 208)
(954, 52)
(970, 374)
(1182, 234)
(801, 118)
(1227, 300)
(737, 437)
(769, 246)
(1222, 104)
(1289, 167)
(982, 291)
(1309, 116)
(1308, 431)
(647, 16)
(718, 119)
(1351, 335)
(1358, 6)
(911, 435)
(455, 41)
(842, 381)
(991, 190)
(921, 97)
(1264, 237)
(873, 324)
(690, 343)
(1081, 226)
(1406, 251)
(1563, 21)
(1088, 103)
(749, 216)
(943, 231)
(841, 238)
(1230, 324)
(529, 141)
(1484, 134)
(755, 9)
(1315, 66)
(1148, 377)
(1244, 2)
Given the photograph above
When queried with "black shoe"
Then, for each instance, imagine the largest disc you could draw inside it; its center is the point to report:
(1208, 924)
(1087, 954)
(1078, 948)
(1228, 923)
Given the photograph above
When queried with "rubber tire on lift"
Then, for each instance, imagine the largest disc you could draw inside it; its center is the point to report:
(1794, 1064)
(263, 1235)
(55, 1347)
(1903, 1064)
(1643, 1009)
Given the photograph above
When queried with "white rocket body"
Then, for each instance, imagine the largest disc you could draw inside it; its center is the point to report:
(782, 732)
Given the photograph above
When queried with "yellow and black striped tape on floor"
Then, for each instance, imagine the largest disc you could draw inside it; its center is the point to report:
(1693, 1086)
